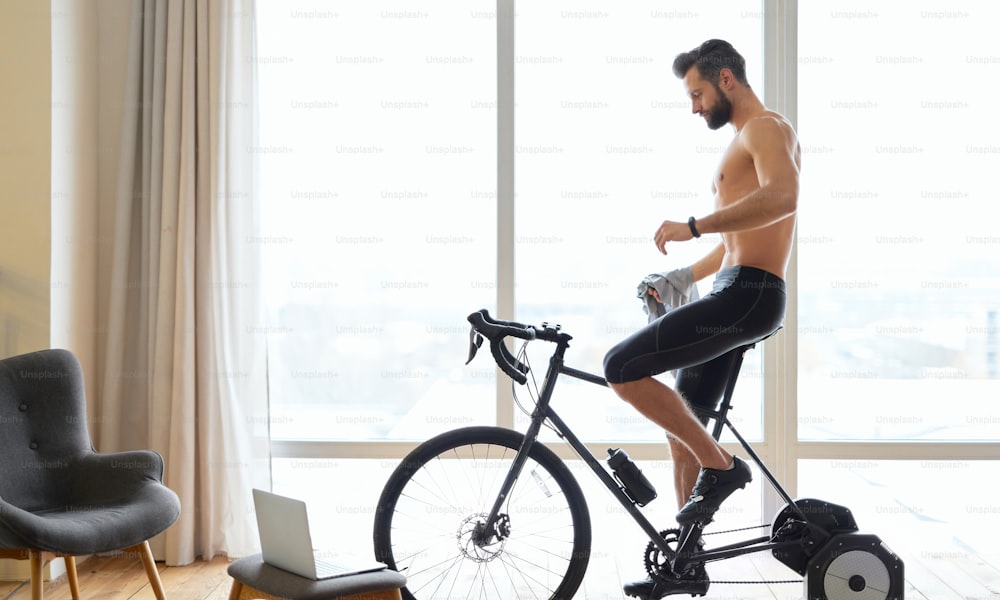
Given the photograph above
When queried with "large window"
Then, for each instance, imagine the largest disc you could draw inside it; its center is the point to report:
(897, 278)
(378, 154)
(898, 262)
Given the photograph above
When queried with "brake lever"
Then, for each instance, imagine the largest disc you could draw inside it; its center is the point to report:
(475, 341)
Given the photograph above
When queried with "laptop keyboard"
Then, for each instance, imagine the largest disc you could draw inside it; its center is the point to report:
(325, 569)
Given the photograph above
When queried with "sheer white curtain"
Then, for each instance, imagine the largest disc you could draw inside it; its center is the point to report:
(184, 359)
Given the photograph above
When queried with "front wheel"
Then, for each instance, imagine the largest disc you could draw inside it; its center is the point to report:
(429, 523)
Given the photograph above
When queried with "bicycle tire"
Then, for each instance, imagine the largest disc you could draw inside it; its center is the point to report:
(423, 520)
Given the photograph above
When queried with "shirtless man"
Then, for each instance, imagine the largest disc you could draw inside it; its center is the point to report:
(756, 191)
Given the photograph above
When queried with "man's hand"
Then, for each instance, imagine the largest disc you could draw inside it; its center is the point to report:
(671, 231)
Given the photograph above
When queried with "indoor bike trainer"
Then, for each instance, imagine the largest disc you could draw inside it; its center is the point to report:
(474, 533)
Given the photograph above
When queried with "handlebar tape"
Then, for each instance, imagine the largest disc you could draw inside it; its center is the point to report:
(495, 331)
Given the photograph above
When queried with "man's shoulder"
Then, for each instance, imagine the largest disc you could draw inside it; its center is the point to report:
(768, 122)
(769, 127)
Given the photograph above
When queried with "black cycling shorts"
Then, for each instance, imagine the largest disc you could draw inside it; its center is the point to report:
(699, 339)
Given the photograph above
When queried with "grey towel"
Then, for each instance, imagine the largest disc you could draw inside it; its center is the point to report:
(675, 288)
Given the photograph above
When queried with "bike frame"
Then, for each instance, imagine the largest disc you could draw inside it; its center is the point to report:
(687, 551)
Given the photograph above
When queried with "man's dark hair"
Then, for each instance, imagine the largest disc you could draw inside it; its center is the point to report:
(710, 58)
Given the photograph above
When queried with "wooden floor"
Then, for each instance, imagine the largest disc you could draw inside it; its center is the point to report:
(121, 578)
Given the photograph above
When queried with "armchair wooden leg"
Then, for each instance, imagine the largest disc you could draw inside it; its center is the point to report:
(237, 589)
(151, 571)
(74, 583)
(37, 561)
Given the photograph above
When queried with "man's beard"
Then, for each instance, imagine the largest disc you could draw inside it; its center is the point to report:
(722, 112)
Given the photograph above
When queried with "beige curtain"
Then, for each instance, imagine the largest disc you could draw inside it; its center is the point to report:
(184, 360)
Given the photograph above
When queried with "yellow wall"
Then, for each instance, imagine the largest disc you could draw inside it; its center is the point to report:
(25, 186)
(25, 152)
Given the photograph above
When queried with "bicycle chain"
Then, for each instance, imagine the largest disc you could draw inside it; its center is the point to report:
(747, 582)
(763, 582)
(703, 533)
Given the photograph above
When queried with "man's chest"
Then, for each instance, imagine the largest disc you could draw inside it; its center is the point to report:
(735, 174)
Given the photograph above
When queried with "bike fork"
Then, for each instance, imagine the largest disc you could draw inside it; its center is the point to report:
(530, 436)
(515, 471)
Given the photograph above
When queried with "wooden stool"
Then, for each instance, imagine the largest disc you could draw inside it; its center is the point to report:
(253, 578)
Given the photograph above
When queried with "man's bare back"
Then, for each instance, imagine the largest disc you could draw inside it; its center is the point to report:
(767, 247)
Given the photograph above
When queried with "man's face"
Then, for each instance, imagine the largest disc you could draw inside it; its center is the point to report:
(708, 99)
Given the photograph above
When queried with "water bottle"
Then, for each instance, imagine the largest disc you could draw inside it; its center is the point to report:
(637, 487)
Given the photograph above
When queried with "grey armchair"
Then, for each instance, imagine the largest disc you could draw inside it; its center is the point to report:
(58, 496)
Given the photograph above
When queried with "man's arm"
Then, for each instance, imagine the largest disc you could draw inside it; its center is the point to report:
(710, 263)
(772, 146)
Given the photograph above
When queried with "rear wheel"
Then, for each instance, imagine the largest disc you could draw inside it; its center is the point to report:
(430, 520)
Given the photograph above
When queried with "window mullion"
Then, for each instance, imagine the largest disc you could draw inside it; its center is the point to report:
(505, 190)
(780, 47)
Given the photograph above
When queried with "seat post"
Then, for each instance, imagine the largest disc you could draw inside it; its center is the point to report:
(727, 396)
(721, 419)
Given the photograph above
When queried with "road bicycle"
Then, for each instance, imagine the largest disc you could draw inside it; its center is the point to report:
(489, 512)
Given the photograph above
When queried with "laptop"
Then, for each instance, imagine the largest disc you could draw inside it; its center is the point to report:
(286, 543)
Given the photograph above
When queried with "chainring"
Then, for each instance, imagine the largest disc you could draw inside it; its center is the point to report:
(657, 563)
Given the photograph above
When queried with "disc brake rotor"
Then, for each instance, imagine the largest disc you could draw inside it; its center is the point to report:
(475, 544)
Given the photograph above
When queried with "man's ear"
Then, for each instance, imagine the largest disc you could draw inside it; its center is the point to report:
(726, 78)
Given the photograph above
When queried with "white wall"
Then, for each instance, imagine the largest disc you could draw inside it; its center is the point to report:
(74, 179)
(89, 48)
